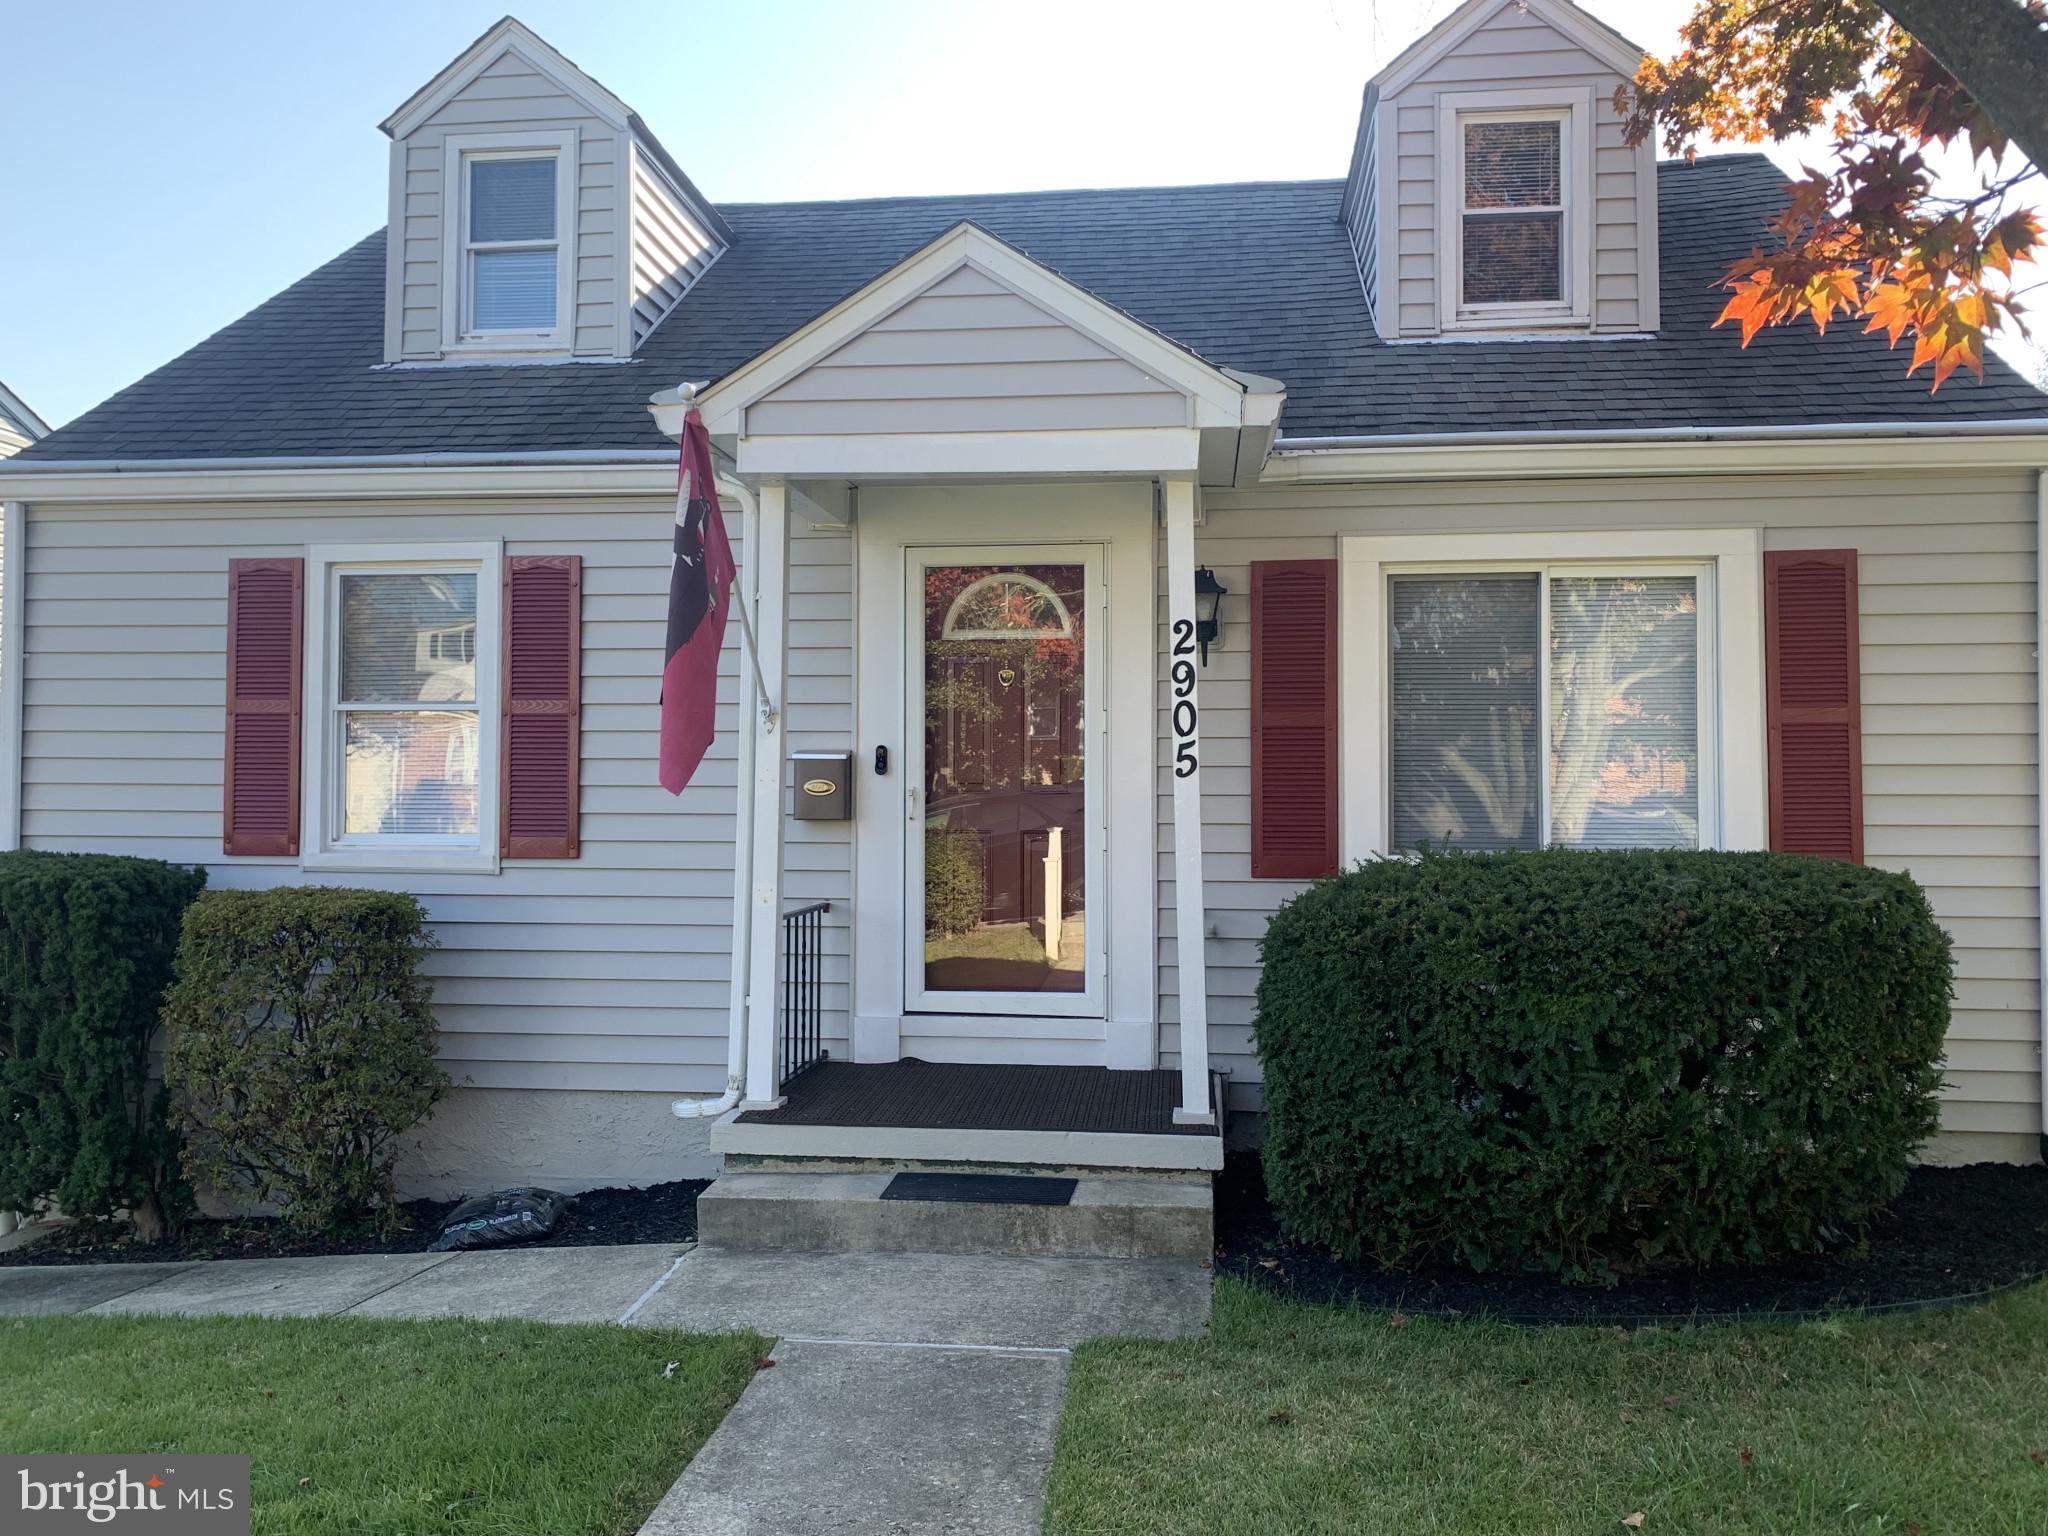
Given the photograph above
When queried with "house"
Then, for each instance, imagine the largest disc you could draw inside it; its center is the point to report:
(19, 426)
(1118, 560)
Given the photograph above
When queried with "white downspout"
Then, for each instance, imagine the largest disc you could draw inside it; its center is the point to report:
(2041, 767)
(742, 845)
(668, 407)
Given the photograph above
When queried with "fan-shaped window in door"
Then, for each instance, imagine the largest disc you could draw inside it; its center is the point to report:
(1008, 605)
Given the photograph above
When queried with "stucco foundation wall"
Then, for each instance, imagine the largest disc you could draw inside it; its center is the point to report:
(1946, 567)
(488, 1138)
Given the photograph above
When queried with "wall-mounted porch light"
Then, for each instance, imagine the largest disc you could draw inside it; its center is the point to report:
(1209, 594)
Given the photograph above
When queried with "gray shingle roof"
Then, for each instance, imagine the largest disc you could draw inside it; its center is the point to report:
(1257, 277)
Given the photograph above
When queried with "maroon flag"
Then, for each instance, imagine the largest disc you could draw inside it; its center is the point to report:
(699, 596)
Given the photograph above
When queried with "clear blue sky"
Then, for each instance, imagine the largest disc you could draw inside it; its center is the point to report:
(170, 167)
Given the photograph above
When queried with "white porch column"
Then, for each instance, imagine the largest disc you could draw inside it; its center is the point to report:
(1189, 916)
(771, 633)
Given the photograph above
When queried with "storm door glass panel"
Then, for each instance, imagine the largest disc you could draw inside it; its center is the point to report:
(408, 704)
(1464, 739)
(1624, 712)
(1005, 887)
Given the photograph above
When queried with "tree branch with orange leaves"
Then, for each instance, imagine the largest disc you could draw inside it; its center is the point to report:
(1868, 236)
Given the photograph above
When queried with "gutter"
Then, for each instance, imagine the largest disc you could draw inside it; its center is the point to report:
(23, 465)
(2028, 426)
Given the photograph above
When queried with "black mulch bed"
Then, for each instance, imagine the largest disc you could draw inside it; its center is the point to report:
(1955, 1234)
(601, 1218)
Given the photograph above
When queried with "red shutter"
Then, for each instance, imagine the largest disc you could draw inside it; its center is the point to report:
(1294, 719)
(260, 812)
(1813, 702)
(542, 728)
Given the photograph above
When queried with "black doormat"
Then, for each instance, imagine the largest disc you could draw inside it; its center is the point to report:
(981, 1189)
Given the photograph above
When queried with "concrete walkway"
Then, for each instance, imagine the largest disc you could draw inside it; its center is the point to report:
(911, 1393)
(551, 1285)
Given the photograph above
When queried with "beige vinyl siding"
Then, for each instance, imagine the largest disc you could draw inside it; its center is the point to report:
(12, 439)
(967, 355)
(606, 972)
(1362, 204)
(1949, 744)
(671, 247)
(1517, 50)
(508, 97)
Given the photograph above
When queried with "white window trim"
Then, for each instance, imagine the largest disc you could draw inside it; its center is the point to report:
(322, 847)
(1572, 108)
(457, 150)
(1731, 733)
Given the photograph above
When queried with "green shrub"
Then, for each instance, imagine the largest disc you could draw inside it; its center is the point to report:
(85, 955)
(302, 1047)
(955, 894)
(1598, 1061)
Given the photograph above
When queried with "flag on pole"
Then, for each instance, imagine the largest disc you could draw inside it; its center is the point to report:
(699, 596)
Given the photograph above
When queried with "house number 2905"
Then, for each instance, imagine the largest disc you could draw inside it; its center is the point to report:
(1185, 715)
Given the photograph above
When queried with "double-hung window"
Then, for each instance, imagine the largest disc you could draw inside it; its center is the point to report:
(1512, 235)
(404, 747)
(1515, 230)
(509, 254)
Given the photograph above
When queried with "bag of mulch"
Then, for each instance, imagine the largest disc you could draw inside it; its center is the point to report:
(501, 1217)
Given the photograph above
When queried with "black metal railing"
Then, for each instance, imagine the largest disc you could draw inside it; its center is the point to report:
(801, 1043)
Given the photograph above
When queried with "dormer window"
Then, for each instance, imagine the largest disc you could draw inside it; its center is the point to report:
(1512, 243)
(514, 249)
(1514, 187)
(509, 252)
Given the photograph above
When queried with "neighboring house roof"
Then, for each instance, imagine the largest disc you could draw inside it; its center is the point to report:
(17, 417)
(1256, 277)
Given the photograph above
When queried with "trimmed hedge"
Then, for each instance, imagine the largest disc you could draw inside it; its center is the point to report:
(1593, 1061)
(302, 1047)
(955, 894)
(85, 955)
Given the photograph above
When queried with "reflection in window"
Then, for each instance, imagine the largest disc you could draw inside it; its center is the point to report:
(1512, 223)
(1624, 712)
(1005, 876)
(1464, 734)
(408, 704)
(1612, 712)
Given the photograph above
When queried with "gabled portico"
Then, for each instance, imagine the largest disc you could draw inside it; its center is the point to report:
(1003, 448)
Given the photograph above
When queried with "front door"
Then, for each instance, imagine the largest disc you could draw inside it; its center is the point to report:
(1004, 831)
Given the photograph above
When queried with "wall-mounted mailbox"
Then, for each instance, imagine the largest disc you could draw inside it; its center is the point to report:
(824, 785)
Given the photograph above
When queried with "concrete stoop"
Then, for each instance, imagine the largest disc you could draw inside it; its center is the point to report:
(1109, 1218)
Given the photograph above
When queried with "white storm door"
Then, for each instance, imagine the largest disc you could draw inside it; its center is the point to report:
(1003, 827)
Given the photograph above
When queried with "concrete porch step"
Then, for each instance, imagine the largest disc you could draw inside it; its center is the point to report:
(845, 1213)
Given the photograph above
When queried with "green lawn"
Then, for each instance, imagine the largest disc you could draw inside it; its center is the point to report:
(1294, 1418)
(388, 1427)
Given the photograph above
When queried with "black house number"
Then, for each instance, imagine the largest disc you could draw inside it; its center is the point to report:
(1185, 715)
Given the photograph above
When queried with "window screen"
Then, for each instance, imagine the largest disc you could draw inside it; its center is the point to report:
(514, 246)
(408, 704)
(1513, 217)
(1533, 709)
(1624, 712)
(1464, 735)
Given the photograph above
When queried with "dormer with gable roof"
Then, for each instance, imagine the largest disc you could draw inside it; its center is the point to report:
(534, 216)
(1491, 191)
